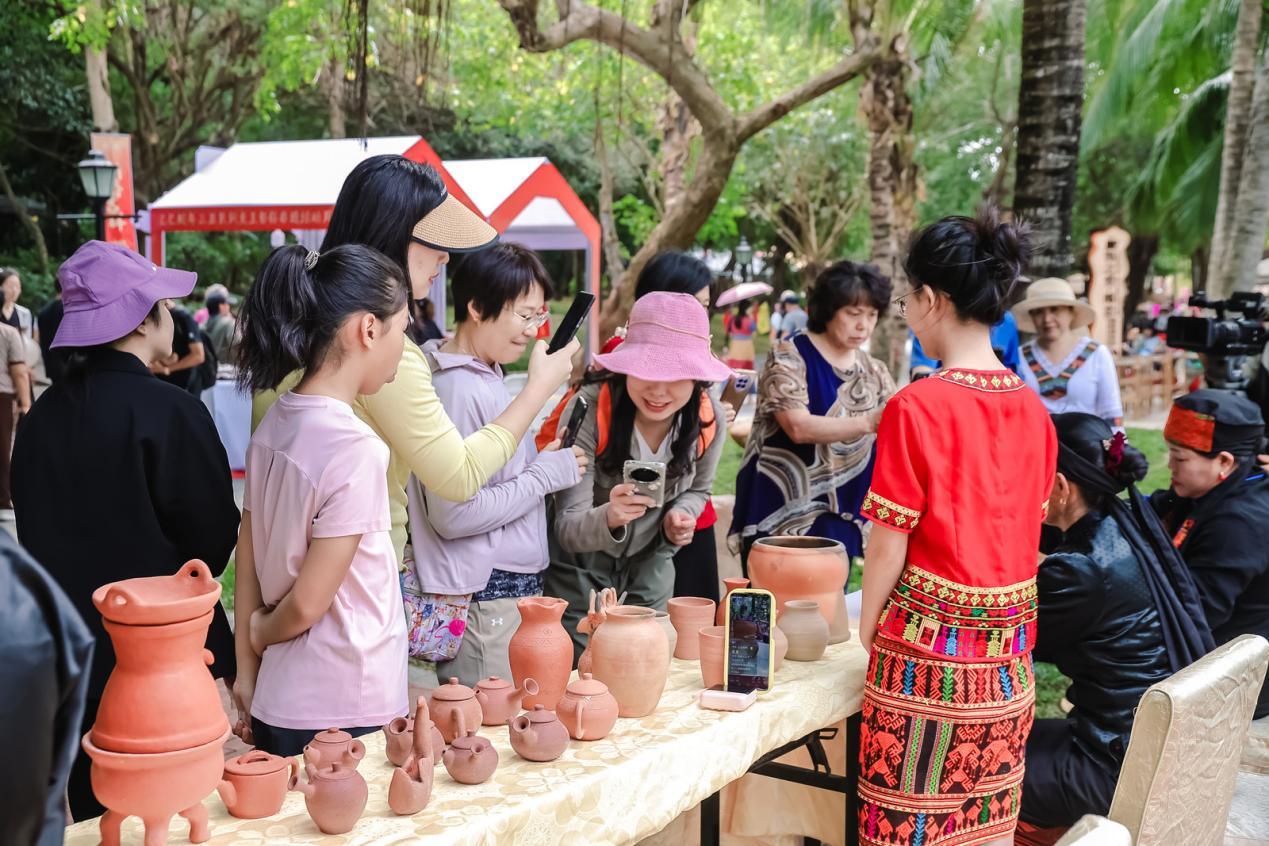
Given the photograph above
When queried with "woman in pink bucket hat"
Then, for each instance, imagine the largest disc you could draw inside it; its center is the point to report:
(647, 402)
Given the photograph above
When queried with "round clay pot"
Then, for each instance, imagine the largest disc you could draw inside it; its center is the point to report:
(737, 583)
(160, 695)
(587, 709)
(470, 759)
(335, 796)
(455, 709)
(805, 628)
(690, 614)
(398, 740)
(780, 642)
(334, 746)
(712, 639)
(671, 634)
(632, 658)
(541, 650)
(796, 567)
(538, 735)
(155, 786)
(255, 783)
(500, 700)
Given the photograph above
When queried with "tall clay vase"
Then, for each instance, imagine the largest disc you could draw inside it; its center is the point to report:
(541, 650)
(805, 628)
(632, 657)
(690, 614)
(732, 584)
(712, 640)
(671, 634)
(796, 567)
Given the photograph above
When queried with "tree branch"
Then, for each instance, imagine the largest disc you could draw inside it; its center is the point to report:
(19, 208)
(607, 221)
(851, 66)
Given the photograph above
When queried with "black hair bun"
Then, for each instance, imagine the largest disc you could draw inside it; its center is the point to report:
(1007, 246)
(1132, 466)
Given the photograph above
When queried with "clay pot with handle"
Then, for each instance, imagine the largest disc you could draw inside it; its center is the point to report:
(541, 650)
(688, 615)
(451, 701)
(335, 797)
(500, 700)
(470, 759)
(255, 783)
(805, 628)
(587, 709)
(797, 567)
(538, 735)
(720, 617)
(632, 657)
(334, 746)
(411, 787)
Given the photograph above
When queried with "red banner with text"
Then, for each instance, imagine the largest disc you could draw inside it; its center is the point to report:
(117, 146)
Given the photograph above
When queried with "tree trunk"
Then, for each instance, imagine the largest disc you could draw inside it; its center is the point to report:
(19, 208)
(1050, 99)
(337, 117)
(1238, 129)
(1198, 269)
(1246, 243)
(99, 99)
(1141, 252)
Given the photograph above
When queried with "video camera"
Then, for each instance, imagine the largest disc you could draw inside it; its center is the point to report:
(1225, 342)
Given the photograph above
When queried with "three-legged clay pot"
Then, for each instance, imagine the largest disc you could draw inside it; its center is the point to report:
(500, 700)
(688, 615)
(712, 643)
(805, 628)
(632, 658)
(538, 735)
(720, 617)
(411, 787)
(335, 797)
(155, 786)
(541, 650)
(334, 746)
(255, 783)
(454, 708)
(587, 709)
(470, 759)
(671, 634)
(796, 567)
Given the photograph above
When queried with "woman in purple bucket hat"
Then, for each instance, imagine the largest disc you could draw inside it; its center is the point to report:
(646, 402)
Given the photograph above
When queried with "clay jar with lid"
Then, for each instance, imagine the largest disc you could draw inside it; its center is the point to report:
(632, 657)
(805, 628)
(335, 797)
(541, 650)
(470, 759)
(255, 783)
(688, 615)
(334, 746)
(454, 709)
(587, 709)
(500, 700)
(538, 735)
(796, 567)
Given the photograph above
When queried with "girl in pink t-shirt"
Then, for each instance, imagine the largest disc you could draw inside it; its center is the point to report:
(319, 634)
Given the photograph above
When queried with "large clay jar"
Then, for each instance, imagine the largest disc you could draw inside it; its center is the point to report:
(732, 584)
(541, 650)
(154, 787)
(470, 759)
(335, 797)
(334, 746)
(805, 628)
(712, 640)
(688, 615)
(671, 634)
(454, 709)
(500, 700)
(796, 567)
(632, 657)
(538, 735)
(587, 709)
(160, 695)
(255, 783)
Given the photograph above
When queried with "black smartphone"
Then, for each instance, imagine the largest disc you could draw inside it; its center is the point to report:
(574, 423)
(572, 321)
(749, 659)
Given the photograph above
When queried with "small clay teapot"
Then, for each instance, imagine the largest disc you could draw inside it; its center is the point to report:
(587, 709)
(411, 785)
(335, 797)
(333, 746)
(255, 783)
(538, 735)
(500, 700)
(448, 702)
(399, 739)
(470, 759)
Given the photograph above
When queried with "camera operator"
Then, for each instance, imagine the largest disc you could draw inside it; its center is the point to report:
(1217, 510)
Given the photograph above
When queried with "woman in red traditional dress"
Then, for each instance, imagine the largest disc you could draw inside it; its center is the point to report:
(965, 462)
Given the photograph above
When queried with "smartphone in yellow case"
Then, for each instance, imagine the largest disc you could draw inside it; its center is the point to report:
(749, 648)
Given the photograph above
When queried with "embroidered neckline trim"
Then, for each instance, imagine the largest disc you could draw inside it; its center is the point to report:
(991, 381)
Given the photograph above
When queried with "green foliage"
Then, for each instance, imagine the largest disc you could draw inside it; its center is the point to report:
(228, 258)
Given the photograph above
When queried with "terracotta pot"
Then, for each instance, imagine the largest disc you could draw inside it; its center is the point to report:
(454, 709)
(805, 628)
(688, 615)
(401, 743)
(781, 643)
(255, 783)
(160, 695)
(633, 659)
(796, 567)
(538, 735)
(712, 640)
(334, 746)
(541, 649)
(411, 787)
(587, 709)
(732, 584)
(157, 600)
(335, 796)
(671, 634)
(500, 700)
(470, 759)
(154, 787)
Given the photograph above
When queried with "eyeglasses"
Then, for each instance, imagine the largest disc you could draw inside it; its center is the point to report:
(902, 302)
(533, 321)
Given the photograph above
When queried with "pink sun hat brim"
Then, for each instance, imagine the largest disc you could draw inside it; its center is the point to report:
(667, 340)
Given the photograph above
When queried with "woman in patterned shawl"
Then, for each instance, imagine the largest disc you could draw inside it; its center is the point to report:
(808, 460)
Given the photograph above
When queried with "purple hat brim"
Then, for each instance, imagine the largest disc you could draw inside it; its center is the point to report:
(91, 325)
(648, 362)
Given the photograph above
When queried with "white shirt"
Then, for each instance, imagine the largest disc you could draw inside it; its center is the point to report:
(1093, 389)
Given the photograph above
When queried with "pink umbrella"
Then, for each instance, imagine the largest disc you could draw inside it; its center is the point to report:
(743, 291)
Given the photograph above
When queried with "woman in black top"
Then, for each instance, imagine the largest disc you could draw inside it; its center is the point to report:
(115, 473)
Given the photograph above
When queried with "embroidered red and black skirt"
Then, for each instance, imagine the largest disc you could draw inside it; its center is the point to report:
(948, 704)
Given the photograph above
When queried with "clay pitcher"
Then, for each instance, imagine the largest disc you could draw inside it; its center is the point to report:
(805, 628)
(688, 615)
(500, 700)
(732, 584)
(541, 650)
(632, 657)
(411, 787)
(587, 709)
(712, 641)
(470, 759)
(796, 567)
(538, 735)
(671, 634)
(450, 702)
(335, 797)
(334, 746)
(256, 783)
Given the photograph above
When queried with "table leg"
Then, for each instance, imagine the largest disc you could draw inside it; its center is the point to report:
(853, 723)
(710, 822)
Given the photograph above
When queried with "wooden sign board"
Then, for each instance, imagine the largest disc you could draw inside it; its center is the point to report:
(1108, 284)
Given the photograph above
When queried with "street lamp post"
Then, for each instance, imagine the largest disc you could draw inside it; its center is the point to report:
(97, 173)
(744, 255)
